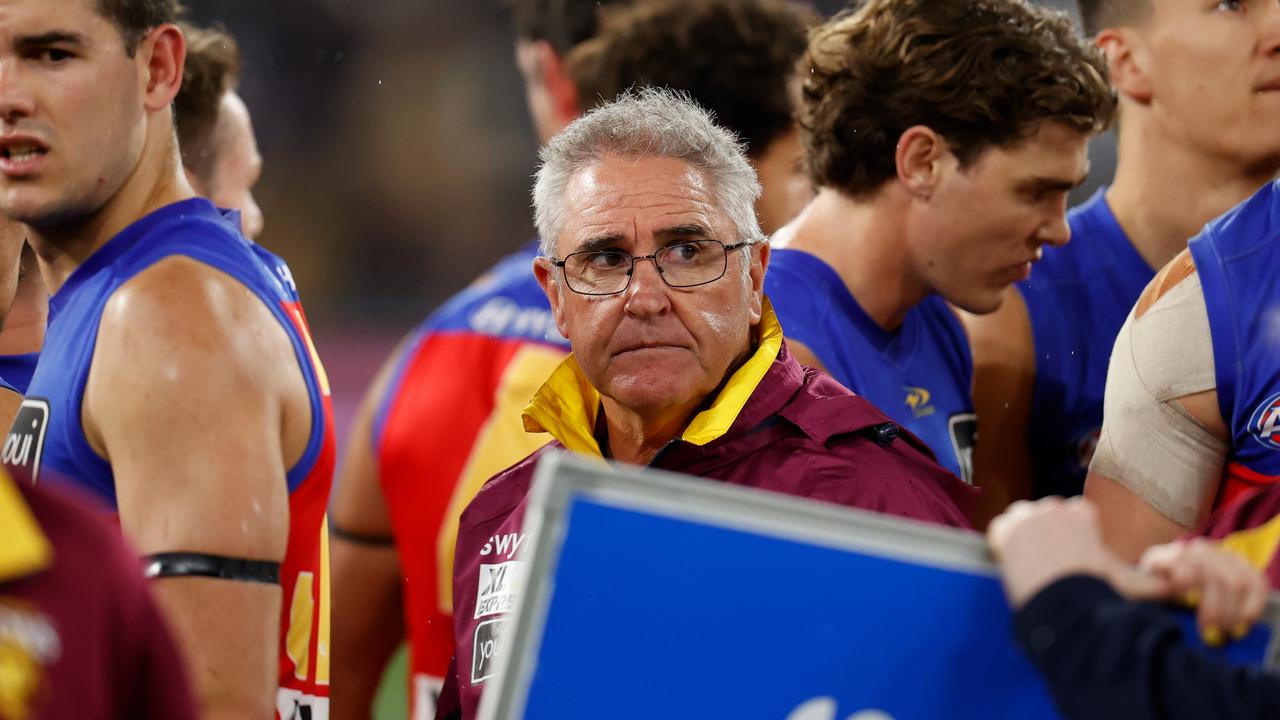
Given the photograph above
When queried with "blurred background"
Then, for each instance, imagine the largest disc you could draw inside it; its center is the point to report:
(398, 155)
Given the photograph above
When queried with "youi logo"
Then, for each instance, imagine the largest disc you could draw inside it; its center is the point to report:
(1265, 423)
(824, 708)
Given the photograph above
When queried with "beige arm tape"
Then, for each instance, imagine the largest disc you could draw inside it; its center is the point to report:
(1150, 444)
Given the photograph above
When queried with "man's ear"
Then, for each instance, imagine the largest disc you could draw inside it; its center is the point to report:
(759, 266)
(1127, 63)
(163, 55)
(544, 271)
(919, 157)
(566, 106)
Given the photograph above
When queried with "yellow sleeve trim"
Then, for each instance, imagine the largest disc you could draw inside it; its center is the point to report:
(24, 549)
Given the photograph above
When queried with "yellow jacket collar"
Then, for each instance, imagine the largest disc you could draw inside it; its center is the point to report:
(567, 406)
(24, 549)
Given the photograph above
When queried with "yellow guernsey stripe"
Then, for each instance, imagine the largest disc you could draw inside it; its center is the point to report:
(24, 549)
(566, 405)
(1256, 545)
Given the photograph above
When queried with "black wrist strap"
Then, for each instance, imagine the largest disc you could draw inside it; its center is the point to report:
(184, 564)
(360, 538)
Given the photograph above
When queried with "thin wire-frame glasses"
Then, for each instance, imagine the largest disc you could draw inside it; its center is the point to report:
(680, 265)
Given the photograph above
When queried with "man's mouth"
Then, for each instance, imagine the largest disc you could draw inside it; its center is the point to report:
(22, 152)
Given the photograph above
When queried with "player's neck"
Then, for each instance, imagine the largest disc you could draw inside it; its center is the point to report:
(863, 241)
(1165, 190)
(636, 438)
(25, 323)
(156, 181)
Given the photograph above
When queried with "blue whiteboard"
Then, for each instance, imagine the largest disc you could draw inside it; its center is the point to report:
(648, 599)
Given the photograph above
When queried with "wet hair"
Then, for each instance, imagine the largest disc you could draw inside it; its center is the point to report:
(1098, 15)
(135, 18)
(211, 71)
(736, 58)
(562, 23)
(647, 123)
(980, 73)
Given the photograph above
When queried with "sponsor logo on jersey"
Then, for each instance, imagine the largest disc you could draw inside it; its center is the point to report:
(1265, 423)
(502, 317)
(918, 400)
(24, 446)
(499, 587)
(963, 429)
(487, 646)
(825, 708)
(28, 644)
(505, 545)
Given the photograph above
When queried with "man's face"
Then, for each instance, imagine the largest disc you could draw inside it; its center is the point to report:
(653, 347)
(983, 225)
(784, 180)
(238, 164)
(1214, 73)
(72, 120)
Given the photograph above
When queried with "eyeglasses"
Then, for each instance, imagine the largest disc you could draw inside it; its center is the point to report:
(680, 265)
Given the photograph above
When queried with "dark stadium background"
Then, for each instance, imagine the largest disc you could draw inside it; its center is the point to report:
(398, 156)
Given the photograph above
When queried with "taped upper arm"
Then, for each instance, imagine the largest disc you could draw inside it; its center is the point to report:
(1161, 368)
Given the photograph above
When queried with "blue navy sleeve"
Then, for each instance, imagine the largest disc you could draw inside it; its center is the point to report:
(1105, 657)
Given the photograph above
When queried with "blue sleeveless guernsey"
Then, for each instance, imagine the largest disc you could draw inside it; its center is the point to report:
(920, 375)
(1077, 297)
(47, 432)
(16, 371)
(1237, 258)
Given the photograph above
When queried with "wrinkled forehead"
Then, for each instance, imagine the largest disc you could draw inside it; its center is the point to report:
(639, 203)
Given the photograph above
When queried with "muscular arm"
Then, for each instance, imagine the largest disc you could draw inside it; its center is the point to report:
(368, 619)
(1164, 443)
(196, 399)
(1003, 377)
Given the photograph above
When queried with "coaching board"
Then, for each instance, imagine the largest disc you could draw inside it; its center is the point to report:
(657, 595)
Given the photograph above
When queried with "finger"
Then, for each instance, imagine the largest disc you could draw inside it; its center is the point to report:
(1139, 585)
(1210, 612)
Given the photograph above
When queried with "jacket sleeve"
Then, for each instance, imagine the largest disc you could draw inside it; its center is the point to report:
(1105, 657)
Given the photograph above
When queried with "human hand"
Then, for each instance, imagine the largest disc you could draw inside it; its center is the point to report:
(1039, 542)
(1229, 594)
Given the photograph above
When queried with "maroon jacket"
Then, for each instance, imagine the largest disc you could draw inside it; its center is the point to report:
(80, 636)
(800, 433)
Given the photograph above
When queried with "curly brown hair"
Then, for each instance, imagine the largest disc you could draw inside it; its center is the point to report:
(212, 69)
(980, 73)
(735, 58)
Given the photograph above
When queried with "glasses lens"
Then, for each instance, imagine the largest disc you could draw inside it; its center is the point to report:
(695, 262)
(597, 273)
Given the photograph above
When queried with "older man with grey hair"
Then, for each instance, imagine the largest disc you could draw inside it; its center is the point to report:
(678, 363)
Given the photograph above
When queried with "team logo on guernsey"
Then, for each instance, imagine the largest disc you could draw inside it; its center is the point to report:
(963, 428)
(918, 400)
(24, 446)
(1265, 423)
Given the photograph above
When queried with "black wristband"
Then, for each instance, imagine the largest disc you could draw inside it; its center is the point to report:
(183, 564)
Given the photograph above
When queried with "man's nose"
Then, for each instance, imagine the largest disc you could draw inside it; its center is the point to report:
(16, 100)
(648, 293)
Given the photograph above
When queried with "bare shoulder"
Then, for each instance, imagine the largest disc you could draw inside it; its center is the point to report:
(1179, 269)
(182, 309)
